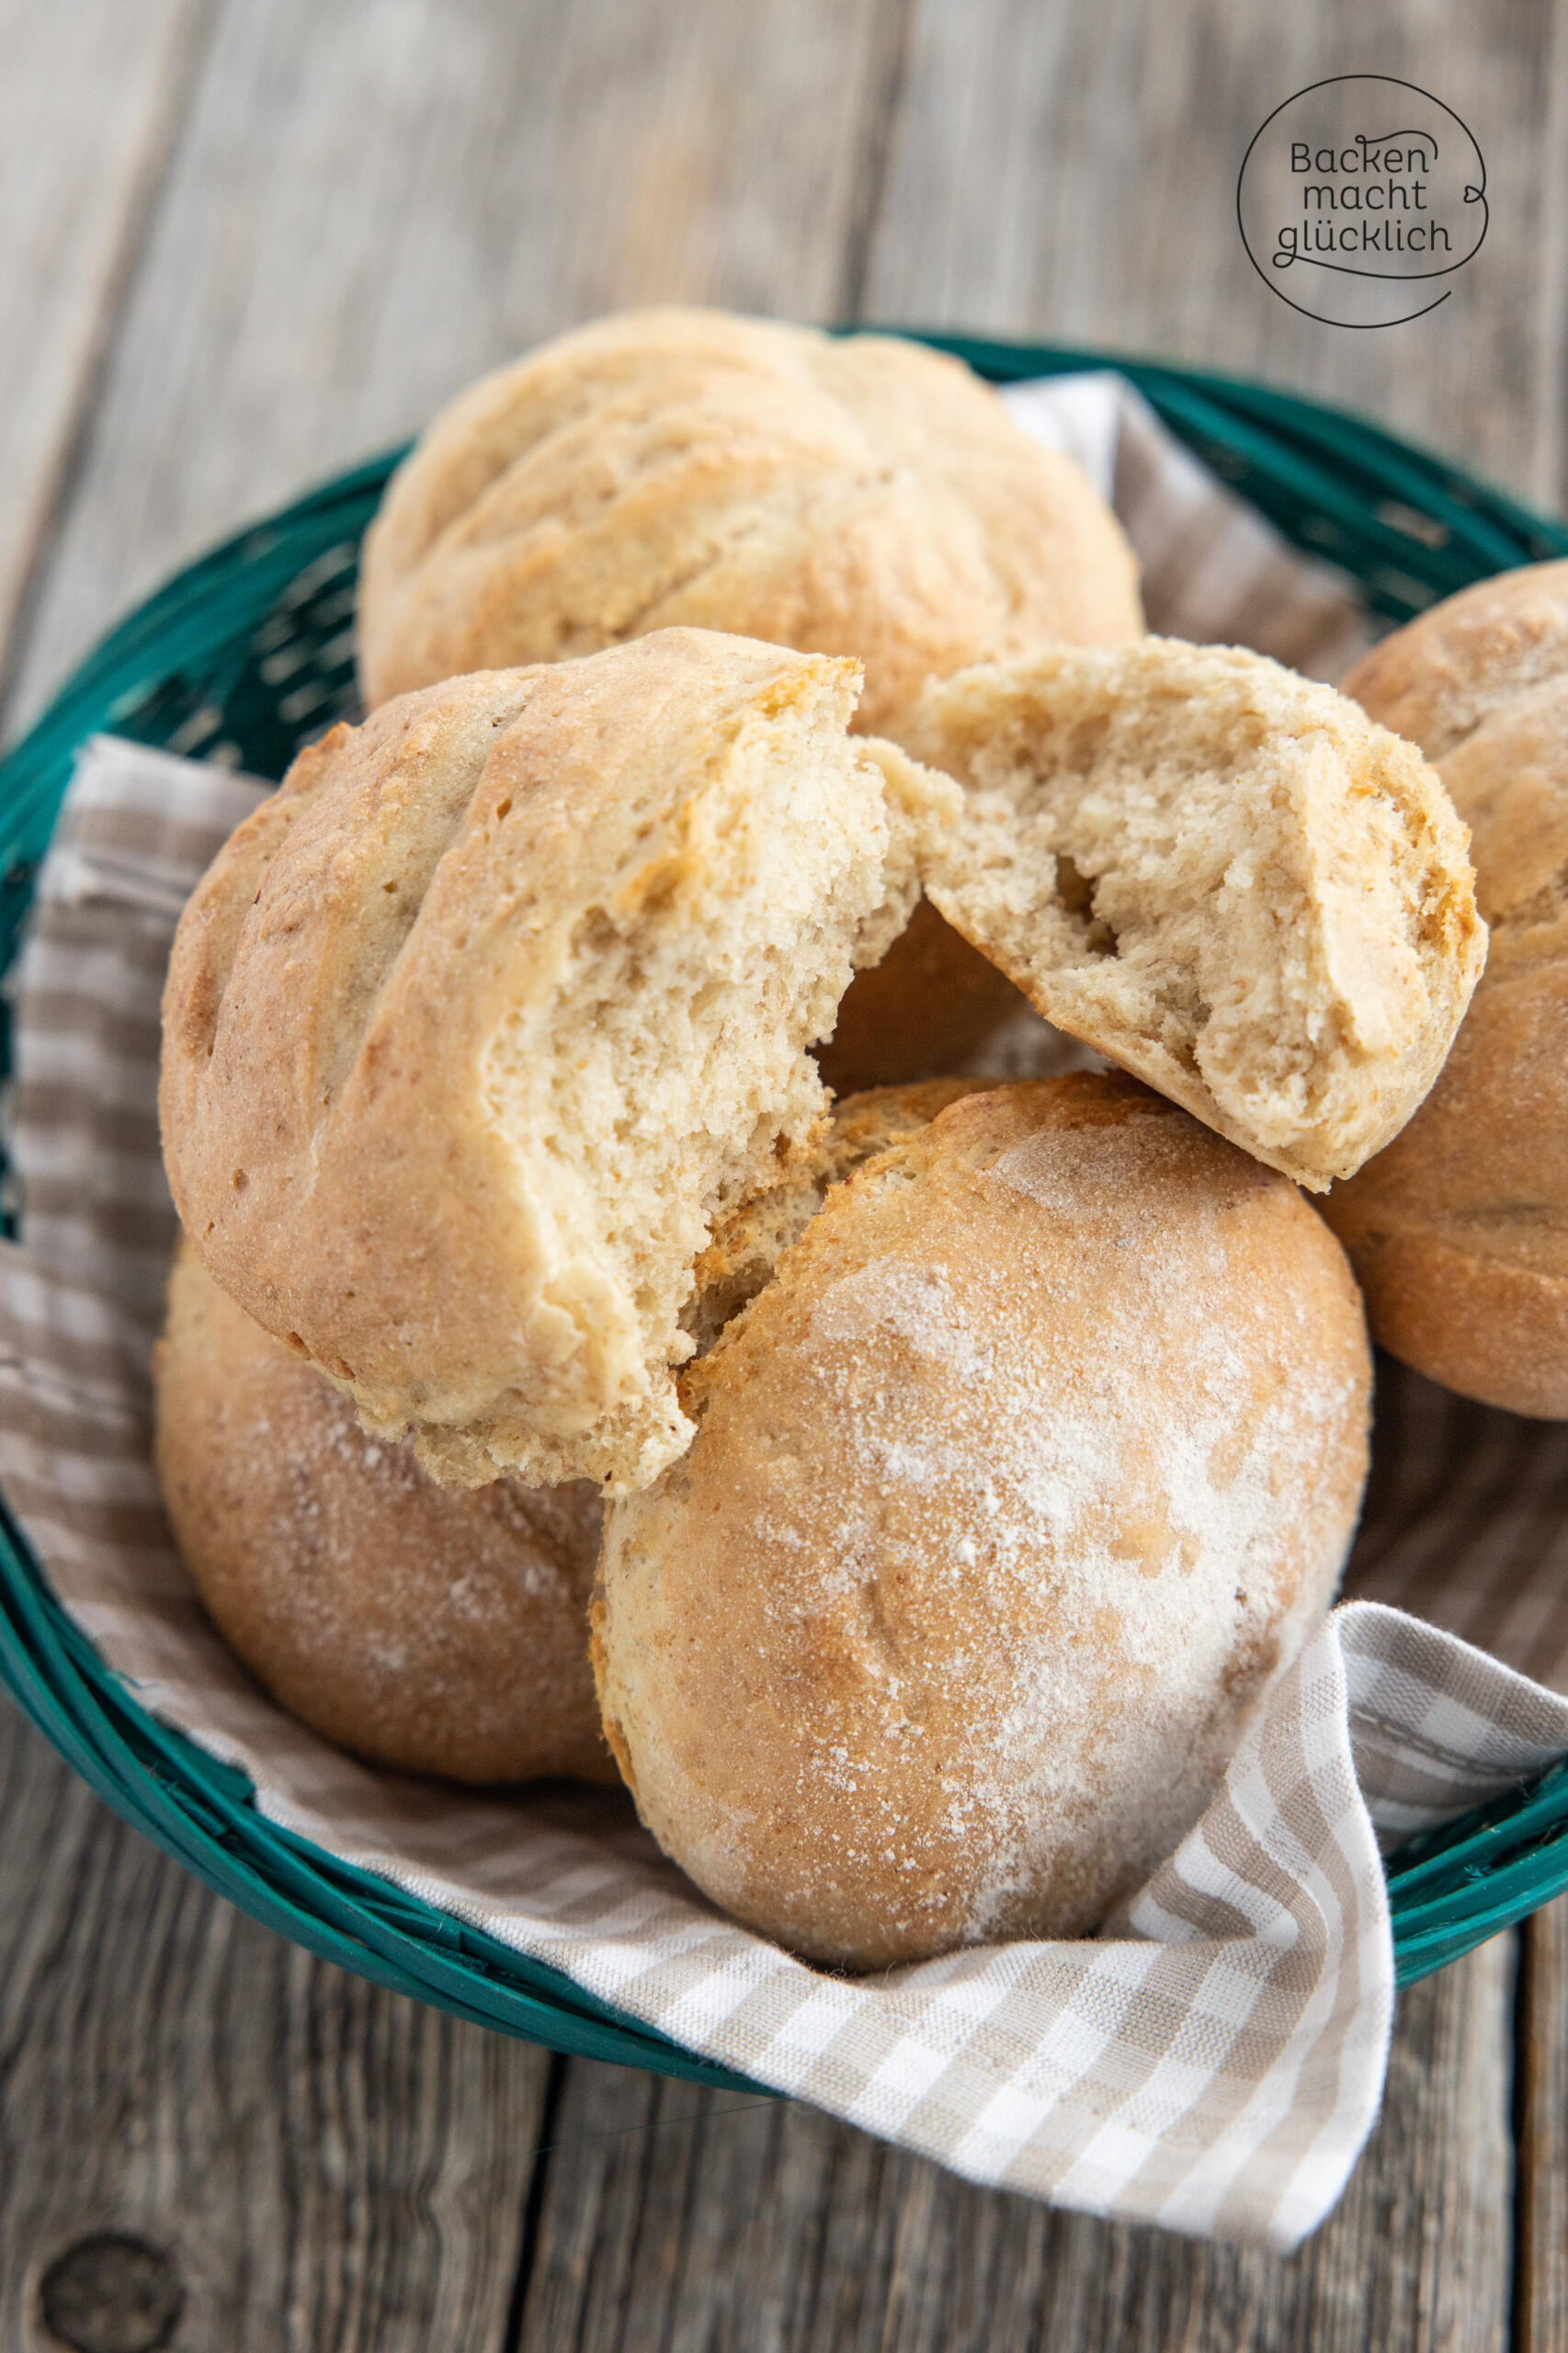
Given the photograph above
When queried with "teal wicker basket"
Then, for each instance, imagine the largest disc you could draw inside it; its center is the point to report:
(249, 653)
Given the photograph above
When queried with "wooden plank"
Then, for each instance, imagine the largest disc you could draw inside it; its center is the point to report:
(370, 203)
(1541, 2296)
(87, 103)
(317, 2161)
(670, 2218)
(1071, 174)
(373, 202)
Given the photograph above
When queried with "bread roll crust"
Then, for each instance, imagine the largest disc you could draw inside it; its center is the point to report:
(854, 495)
(1034, 1462)
(428, 1628)
(934, 1003)
(471, 1027)
(1436, 679)
(1458, 1231)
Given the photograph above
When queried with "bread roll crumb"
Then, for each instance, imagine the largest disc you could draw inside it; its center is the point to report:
(473, 1026)
(1217, 874)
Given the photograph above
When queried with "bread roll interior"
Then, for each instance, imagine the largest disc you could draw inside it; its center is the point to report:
(1217, 874)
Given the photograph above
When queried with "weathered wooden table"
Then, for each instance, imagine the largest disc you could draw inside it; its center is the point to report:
(241, 243)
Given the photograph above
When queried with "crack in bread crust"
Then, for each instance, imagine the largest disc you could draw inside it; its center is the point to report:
(748, 1241)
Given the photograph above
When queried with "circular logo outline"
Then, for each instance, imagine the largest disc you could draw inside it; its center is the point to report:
(1364, 326)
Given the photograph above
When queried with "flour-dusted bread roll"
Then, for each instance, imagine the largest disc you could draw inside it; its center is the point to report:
(428, 1628)
(753, 1236)
(1029, 1467)
(1459, 1230)
(858, 496)
(1218, 875)
(471, 1028)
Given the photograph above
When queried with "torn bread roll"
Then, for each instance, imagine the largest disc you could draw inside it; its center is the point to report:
(1458, 1231)
(1221, 876)
(471, 1028)
(428, 1628)
(1022, 1468)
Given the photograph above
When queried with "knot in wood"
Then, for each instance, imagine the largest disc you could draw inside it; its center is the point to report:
(110, 2294)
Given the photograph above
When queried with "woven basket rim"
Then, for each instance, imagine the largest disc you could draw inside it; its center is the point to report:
(1341, 486)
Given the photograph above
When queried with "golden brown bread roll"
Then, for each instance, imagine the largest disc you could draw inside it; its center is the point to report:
(1458, 1231)
(840, 495)
(1437, 679)
(471, 1027)
(1217, 874)
(423, 1627)
(751, 1237)
(1032, 1465)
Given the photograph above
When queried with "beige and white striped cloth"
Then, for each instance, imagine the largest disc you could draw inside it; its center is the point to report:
(1214, 2061)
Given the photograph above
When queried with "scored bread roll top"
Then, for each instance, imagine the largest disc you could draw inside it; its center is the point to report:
(1219, 875)
(471, 1027)
(428, 1628)
(1021, 1469)
(856, 495)
(1458, 1230)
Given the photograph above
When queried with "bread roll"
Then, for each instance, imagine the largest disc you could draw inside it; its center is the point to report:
(1031, 1466)
(1458, 1231)
(841, 494)
(471, 1028)
(753, 1236)
(1437, 679)
(423, 1627)
(1217, 874)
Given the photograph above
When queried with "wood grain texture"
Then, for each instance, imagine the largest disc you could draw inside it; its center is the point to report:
(716, 2228)
(374, 201)
(89, 100)
(1541, 2292)
(1071, 174)
(326, 2164)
